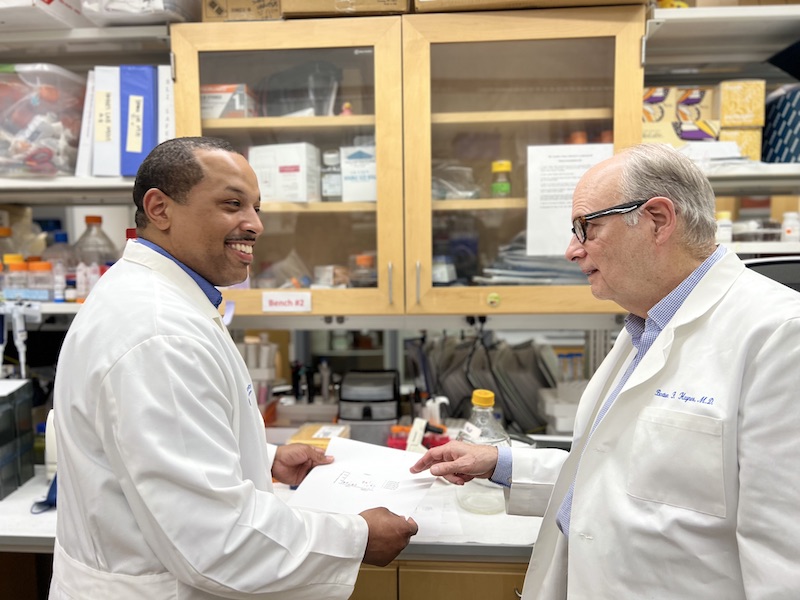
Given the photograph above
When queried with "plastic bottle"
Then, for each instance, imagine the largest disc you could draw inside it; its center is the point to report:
(501, 179)
(94, 246)
(62, 256)
(481, 495)
(724, 227)
(790, 229)
(7, 246)
(15, 282)
(40, 281)
(96, 252)
(331, 176)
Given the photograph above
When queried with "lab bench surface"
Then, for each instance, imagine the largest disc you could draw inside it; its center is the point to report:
(447, 531)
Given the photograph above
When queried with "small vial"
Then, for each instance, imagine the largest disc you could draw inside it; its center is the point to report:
(724, 227)
(331, 176)
(501, 179)
(790, 229)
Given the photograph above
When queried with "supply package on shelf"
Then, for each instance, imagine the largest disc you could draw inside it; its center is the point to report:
(139, 12)
(40, 119)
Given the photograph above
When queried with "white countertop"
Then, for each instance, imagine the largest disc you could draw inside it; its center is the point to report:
(446, 530)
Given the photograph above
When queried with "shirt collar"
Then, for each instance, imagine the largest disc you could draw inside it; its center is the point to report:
(212, 293)
(665, 309)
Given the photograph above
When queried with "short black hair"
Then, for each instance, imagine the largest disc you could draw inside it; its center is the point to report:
(172, 167)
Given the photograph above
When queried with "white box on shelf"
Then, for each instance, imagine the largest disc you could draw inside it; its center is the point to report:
(359, 182)
(33, 15)
(287, 172)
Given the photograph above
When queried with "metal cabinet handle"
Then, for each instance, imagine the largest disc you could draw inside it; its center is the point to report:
(391, 284)
(518, 593)
(419, 268)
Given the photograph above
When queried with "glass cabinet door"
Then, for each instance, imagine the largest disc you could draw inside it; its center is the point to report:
(483, 92)
(316, 106)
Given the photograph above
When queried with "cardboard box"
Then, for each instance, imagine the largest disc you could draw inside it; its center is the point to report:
(747, 138)
(342, 8)
(22, 15)
(227, 100)
(108, 13)
(241, 10)
(359, 181)
(422, 6)
(287, 172)
(676, 115)
(741, 103)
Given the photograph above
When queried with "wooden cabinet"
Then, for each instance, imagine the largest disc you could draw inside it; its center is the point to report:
(483, 87)
(454, 89)
(443, 580)
(303, 72)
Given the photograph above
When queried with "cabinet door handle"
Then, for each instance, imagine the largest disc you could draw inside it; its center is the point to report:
(419, 268)
(518, 593)
(391, 284)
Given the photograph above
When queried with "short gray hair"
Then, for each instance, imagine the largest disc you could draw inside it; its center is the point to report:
(652, 170)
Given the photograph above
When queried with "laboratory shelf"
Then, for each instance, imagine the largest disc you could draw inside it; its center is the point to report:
(756, 179)
(726, 42)
(66, 190)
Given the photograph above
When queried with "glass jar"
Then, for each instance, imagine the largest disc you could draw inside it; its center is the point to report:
(501, 179)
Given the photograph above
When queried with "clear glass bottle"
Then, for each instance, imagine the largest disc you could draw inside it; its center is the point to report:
(790, 228)
(61, 252)
(331, 176)
(481, 495)
(7, 246)
(501, 179)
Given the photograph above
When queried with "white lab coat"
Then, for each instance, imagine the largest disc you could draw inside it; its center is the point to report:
(164, 485)
(690, 485)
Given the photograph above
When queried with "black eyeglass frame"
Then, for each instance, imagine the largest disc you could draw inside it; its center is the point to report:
(579, 223)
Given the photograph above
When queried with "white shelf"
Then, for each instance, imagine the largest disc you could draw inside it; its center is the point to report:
(66, 190)
(756, 179)
(721, 42)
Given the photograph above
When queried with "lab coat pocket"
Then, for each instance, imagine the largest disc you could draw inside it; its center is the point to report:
(676, 459)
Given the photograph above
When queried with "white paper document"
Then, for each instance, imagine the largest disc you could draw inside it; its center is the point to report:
(553, 172)
(363, 476)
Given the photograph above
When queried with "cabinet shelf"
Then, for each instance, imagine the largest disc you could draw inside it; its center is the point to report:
(521, 116)
(294, 124)
(765, 179)
(480, 204)
(318, 207)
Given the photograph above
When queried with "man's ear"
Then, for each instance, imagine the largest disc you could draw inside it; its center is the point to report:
(158, 208)
(662, 213)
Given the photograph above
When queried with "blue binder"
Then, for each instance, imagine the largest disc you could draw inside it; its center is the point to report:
(138, 85)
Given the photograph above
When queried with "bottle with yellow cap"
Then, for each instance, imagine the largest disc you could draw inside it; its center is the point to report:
(481, 495)
(501, 179)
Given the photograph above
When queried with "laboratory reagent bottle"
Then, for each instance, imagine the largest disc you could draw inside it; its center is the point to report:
(62, 256)
(7, 246)
(790, 228)
(724, 227)
(96, 252)
(481, 495)
(331, 176)
(501, 179)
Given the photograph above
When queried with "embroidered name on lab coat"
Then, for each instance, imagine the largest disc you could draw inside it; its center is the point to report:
(684, 397)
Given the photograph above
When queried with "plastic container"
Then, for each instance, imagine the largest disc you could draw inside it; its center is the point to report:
(724, 227)
(6, 247)
(331, 176)
(15, 281)
(94, 246)
(40, 119)
(40, 281)
(501, 179)
(480, 495)
(790, 228)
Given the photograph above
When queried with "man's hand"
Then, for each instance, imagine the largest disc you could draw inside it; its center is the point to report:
(294, 461)
(459, 462)
(388, 535)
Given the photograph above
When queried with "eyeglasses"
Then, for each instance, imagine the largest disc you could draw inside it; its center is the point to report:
(579, 224)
